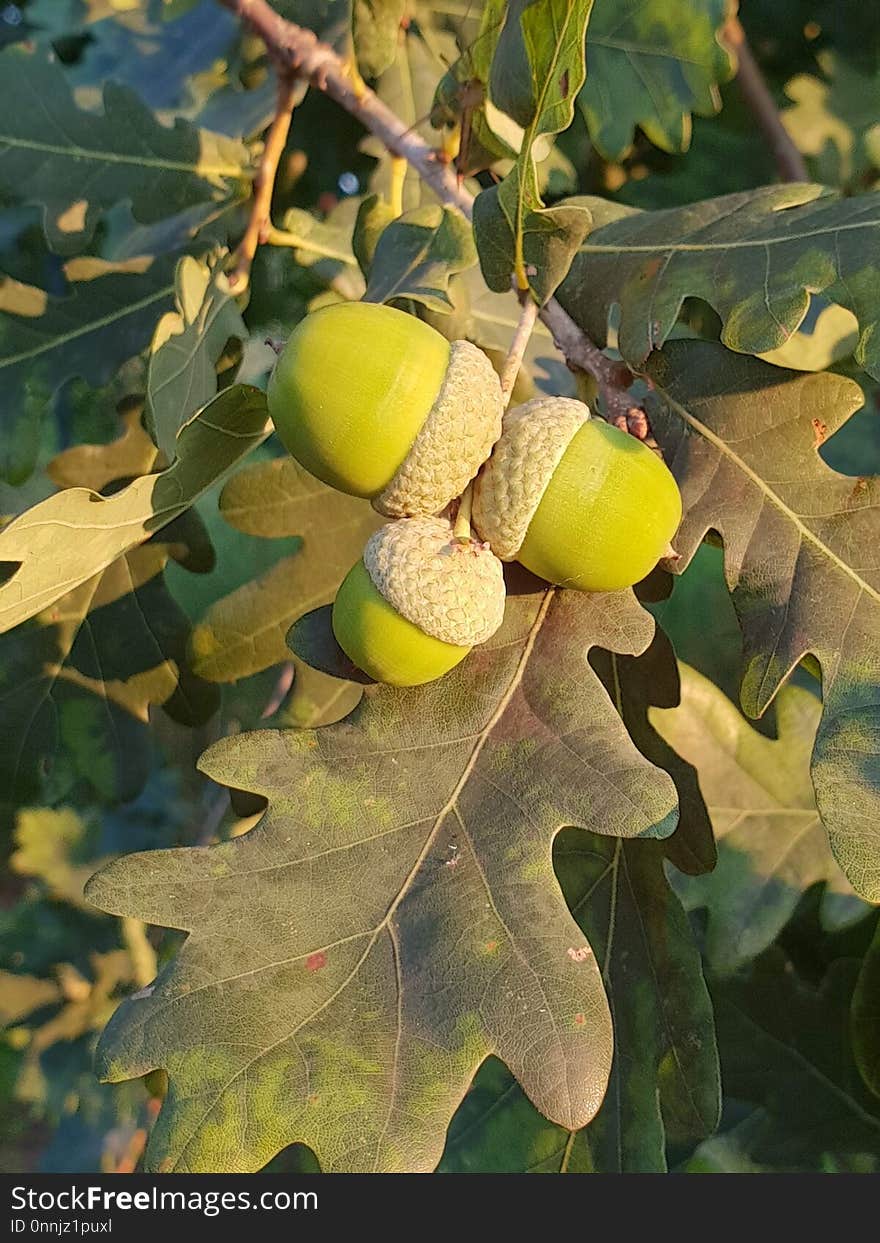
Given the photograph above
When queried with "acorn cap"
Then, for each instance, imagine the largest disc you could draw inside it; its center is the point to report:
(452, 590)
(509, 488)
(454, 440)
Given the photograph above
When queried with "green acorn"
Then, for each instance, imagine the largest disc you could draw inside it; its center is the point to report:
(575, 500)
(378, 404)
(417, 602)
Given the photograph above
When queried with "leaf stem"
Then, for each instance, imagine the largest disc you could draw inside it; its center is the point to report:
(528, 316)
(398, 178)
(264, 185)
(283, 237)
(789, 161)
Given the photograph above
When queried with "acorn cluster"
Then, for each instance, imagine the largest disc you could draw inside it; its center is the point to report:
(379, 404)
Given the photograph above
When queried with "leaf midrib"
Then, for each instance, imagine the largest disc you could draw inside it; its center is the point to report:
(95, 325)
(666, 248)
(97, 155)
(439, 820)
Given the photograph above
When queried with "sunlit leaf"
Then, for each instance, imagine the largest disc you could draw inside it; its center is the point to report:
(537, 71)
(45, 546)
(375, 26)
(245, 632)
(801, 553)
(771, 844)
(374, 1004)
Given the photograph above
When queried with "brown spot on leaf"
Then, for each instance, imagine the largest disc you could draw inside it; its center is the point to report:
(316, 961)
(563, 85)
(820, 432)
(580, 1019)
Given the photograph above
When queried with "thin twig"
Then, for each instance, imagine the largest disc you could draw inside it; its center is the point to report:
(789, 161)
(300, 52)
(527, 317)
(259, 221)
(613, 378)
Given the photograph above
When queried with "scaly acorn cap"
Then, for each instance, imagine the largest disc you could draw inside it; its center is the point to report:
(454, 440)
(450, 589)
(509, 488)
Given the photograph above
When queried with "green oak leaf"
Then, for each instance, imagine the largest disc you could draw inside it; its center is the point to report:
(664, 1081)
(90, 333)
(155, 55)
(45, 546)
(771, 843)
(375, 27)
(785, 1047)
(834, 120)
(537, 70)
(79, 679)
(801, 554)
(756, 257)
(865, 1018)
(651, 64)
(417, 254)
(186, 348)
(407, 87)
(76, 164)
(362, 1011)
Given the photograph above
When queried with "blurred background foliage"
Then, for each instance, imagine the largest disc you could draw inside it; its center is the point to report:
(108, 776)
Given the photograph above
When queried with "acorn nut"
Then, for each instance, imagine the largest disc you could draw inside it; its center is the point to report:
(378, 404)
(576, 501)
(417, 602)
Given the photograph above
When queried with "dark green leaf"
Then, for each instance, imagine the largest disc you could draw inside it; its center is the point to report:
(650, 65)
(76, 164)
(866, 1017)
(157, 57)
(785, 1046)
(549, 236)
(756, 257)
(186, 347)
(90, 333)
(81, 677)
(417, 254)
